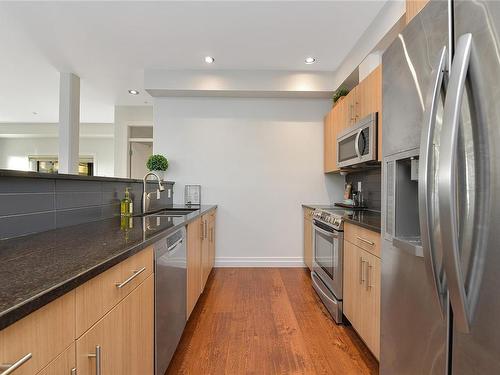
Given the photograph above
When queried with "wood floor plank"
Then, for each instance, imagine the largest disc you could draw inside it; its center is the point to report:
(266, 321)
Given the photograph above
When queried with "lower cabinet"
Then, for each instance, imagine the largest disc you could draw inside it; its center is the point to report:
(207, 245)
(39, 338)
(122, 341)
(361, 301)
(194, 264)
(200, 256)
(308, 237)
(64, 364)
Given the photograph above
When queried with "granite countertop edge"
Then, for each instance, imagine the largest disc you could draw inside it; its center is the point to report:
(374, 228)
(17, 312)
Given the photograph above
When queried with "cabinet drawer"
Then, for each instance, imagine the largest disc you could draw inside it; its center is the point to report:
(63, 364)
(363, 238)
(98, 295)
(44, 333)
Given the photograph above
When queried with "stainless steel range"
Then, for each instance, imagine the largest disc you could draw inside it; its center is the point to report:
(328, 249)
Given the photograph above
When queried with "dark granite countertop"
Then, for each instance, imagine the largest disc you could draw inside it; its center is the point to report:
(29, 174)
(37, 269)
(364, 218)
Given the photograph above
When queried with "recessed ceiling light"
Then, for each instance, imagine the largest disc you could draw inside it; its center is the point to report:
(209, 59)
(133, 92)
(310, 60)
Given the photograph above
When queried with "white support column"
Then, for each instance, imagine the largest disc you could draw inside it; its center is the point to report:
(69, 123)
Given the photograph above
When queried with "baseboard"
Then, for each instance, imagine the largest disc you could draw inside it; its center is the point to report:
(260, 262)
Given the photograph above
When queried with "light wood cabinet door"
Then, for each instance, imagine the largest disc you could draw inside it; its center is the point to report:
(63, 364)
(353, 279)
(413, 7)
(330, 141)
(211, 237)
(44, 333)
(98, 295)
(352, 106)
(369, 322)
(194, 271)
(308, 238)
(124, 337)
(205, 251)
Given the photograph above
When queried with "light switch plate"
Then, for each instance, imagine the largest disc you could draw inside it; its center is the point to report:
(359, 185)
(169, 193)
(158, 194)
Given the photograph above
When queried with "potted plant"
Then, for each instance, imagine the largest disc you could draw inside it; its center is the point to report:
(159, 164)
(339, 94)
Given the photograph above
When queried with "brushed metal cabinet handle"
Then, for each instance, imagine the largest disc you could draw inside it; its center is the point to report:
(134, 275)
(73, 371)
(9, 368)
(368, 276)
(97, 356)
(371, 243)
(361, 262)
(201, 230)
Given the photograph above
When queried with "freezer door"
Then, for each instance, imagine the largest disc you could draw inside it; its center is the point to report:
(414, 321)
(406, 70)
(476, 303)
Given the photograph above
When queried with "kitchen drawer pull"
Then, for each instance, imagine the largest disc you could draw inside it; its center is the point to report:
(371, 243)
(134, 275)
(361, 261)
(97, 356)
(368, 277)
(9, 368)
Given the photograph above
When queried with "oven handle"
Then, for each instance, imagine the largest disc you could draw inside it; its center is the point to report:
(326, 233)
(320, 288)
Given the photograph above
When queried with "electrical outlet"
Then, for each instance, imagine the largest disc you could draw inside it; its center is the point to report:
(359, 185)
(158, 194)
(169, 193)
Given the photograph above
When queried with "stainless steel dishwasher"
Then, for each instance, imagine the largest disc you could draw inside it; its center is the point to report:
(170, 297)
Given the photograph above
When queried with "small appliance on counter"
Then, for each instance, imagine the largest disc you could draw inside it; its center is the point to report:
(192, 195)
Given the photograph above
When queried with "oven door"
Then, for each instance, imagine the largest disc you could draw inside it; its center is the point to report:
(359, 145)
(327, 259)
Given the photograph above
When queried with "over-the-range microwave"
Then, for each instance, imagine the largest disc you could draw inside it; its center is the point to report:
(358, 144)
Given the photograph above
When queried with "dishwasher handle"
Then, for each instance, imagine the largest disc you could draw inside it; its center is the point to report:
(172, 247)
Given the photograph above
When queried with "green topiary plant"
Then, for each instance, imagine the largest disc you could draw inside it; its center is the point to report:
(341, 91)
(157, 163)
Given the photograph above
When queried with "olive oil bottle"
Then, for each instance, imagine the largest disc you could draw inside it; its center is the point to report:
(126, 206)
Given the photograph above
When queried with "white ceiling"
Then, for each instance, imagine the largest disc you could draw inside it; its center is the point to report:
(109, 44)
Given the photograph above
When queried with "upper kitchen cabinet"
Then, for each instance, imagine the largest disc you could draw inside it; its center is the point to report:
(329, 136)
(413, 7)
(362, 100)
(369, 94)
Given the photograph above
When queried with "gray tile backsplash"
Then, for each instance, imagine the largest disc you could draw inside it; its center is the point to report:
(371, 186)
(30, 205)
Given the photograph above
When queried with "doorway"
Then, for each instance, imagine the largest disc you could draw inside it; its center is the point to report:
(139, 154)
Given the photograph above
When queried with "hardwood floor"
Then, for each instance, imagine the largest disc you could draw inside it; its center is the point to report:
(266, 321)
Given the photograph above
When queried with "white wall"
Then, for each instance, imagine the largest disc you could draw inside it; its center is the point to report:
(259, 160)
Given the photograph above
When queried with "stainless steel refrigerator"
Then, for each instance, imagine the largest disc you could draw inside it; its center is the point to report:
(440, 309)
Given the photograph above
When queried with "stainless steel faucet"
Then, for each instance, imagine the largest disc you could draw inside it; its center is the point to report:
(145, 195)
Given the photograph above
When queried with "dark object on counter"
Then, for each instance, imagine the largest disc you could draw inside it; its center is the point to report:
(350, 206)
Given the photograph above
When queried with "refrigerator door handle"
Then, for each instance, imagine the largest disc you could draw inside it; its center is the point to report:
(426, 173)
(447, 189)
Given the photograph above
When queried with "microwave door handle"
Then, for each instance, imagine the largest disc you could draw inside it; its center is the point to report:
(356, 143)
